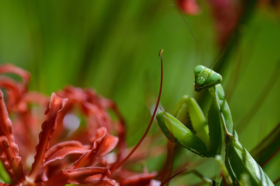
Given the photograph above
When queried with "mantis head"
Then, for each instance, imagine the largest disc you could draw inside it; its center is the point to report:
(205, 78)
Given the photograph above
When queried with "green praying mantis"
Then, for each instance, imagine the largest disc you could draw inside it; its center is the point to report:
(206, 139)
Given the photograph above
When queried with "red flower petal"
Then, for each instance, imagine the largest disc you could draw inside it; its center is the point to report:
(59, 151)
(140, 179)
(89, 103)
(9, 68)
(4, 184)
(48, 127)
(81, 176)
(14, 92)
(103, 144)
(9, 152)
(188, 6)
(35, 97)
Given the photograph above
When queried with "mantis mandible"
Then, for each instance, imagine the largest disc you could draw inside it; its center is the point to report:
(206, 139)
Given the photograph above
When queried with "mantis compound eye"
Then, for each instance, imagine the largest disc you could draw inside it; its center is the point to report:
(198, 69)
(215, 78)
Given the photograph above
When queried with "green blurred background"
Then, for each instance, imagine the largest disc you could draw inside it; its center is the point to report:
(112, 46)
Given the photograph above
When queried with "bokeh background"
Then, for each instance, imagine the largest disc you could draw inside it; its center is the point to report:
(112, 46)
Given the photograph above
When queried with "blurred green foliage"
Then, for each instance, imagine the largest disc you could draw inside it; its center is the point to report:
(113, 47)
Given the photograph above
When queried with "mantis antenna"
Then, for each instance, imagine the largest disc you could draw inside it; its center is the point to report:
(200, 50)
(219, 58)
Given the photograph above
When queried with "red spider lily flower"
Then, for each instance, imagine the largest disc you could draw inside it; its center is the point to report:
(189, 7)
(8, 148)
(79, 157)
(142, 179)
(226, 14)
(25, 123)
(83, 170)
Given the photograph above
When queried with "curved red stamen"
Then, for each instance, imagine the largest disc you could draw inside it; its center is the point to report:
(116, 166)
(173, 176)
(270, 157)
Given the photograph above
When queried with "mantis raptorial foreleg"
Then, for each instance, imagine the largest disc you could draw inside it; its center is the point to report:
(238, 161)
(198, 135)
(187, 107)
